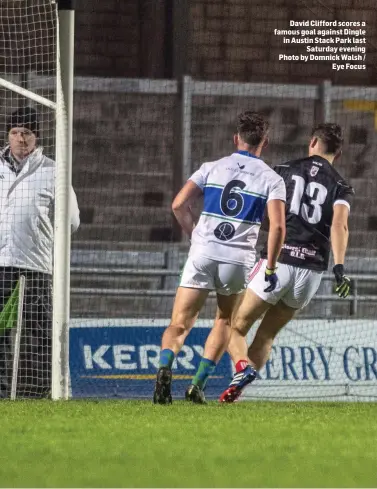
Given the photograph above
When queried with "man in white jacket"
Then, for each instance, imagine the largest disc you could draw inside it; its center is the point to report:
(27, 193)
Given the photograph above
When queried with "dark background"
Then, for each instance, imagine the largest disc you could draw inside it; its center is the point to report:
(128, 131)
(210, 39)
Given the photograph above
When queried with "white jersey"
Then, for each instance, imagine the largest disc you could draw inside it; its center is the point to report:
(236, 190)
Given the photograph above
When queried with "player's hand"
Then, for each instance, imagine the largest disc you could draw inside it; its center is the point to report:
(271, 277)
(343, 283)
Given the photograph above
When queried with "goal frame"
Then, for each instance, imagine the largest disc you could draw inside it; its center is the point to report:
(63, 181)
(63, 107)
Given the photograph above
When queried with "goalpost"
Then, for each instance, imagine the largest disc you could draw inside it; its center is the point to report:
(62, 244)
(32, 83)
(127, 261)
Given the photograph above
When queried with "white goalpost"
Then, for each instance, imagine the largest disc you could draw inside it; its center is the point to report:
(62, 231)
(58, 19)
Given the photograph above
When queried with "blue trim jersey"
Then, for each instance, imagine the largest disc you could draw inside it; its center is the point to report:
(236, 190)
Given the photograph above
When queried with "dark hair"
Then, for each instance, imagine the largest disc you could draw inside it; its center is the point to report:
(331, 135)
(252, 127)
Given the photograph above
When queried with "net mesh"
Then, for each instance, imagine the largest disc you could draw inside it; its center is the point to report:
(126, 258)
(123, 259)
(134, 140)
(28, 60)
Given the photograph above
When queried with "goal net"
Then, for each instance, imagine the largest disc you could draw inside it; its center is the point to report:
(29, 208)
(135, 142)
(126, 263)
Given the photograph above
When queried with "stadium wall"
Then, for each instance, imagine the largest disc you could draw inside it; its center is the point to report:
(230, 39)
(114, 127)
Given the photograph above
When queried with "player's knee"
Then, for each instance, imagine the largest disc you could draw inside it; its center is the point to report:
(223, 316)
(223, 313)
(223, 323)
(179, 329)
(239, 326)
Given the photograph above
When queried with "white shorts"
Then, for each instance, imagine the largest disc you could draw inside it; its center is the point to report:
(200, 272)
(296, 286)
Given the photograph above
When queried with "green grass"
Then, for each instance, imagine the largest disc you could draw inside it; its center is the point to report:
(136, 444)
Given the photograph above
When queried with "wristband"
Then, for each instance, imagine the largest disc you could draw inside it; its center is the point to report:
(338, 270)
(270, 271)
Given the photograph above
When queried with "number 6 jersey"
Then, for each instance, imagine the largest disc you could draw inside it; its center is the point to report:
(236, 190)
(313, 188)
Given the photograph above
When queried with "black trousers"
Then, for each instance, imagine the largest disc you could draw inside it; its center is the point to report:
(34, 368)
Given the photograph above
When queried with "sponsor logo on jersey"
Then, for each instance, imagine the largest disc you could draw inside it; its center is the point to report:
(241, 168)
(299, 252)
(224, 231)
(309, 252)
(313, 171)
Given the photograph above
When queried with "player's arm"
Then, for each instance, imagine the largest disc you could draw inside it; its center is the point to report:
(182, 206)
(339, 233)
(276, 234)
(339, 242)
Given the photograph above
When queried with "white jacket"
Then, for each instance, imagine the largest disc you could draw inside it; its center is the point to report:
(26, 213)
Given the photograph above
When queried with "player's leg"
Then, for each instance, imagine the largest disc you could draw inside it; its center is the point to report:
(255, 303)
(191, 294)
(305, 285)
(187, 305)
(299, 290)
(273, 321)
(250, 310)
(215, 346)
(230, 281)
(219, 337)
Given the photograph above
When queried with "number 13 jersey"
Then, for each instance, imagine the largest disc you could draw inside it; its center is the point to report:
(314, 187)
(236, 190)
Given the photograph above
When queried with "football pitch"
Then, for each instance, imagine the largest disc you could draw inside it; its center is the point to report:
(136, 444)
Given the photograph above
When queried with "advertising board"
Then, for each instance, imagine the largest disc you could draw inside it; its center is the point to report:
(310, 360)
